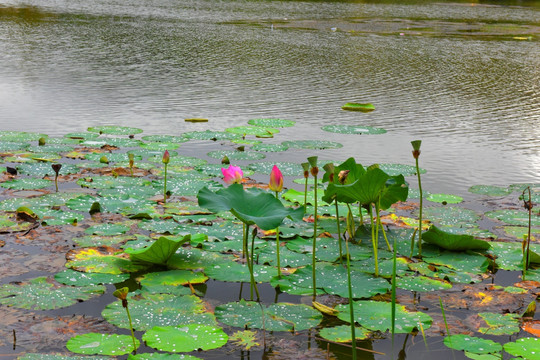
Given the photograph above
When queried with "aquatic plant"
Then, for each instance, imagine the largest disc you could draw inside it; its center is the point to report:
(232, 175)
(122, 295)
(276, 185)
(314, 171)
(131, 158)
(56, 168)
(416, 154)
(165, 160)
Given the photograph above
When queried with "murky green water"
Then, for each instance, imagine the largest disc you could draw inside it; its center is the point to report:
(462, 77)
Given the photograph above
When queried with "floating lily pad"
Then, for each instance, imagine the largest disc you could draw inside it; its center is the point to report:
(20, 136)
(444, 198)
(8, 223)
(149, 310)
(101, 260)
(108, 182)
(82, 135)
(286, 168)
(422, 283)
(164, 138)
(40, 294)
(104, 344)
(400, 169)
(373, 315)
(77, 278)
(158, 356)
(172, 277)
(499, 324)
(44, 169)
(312, 144)
(31, 356)
(242, 141)
(276, 123)
(115, 130)
(472, 344)
(358, 107)
(353, 129)
(460, 261)
(270, 147)
(161, 146)
(342, 333)
(26, 184)
(13, 146)
(185, 338)
(489, 190)
(50, 148)
(513, 217)
(211, 135)
(235, 272)
(236, 155)
(277, 317)
(527, 348)
(107, 229)
(453, 242)
(451, 215)
(252, 130)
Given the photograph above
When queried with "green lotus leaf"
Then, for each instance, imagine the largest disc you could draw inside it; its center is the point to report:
(105, 182)
(107, 229)
(277, 317)
(26, 184)
(160, 226)
(499, 324)
(453, 242)
(358, 107)
(327, 249)
(104, 344)
(509, 256)
(385, 265)
(286, 168)
(353, 129)
(31, 356)
(161, 356)
(13, 146)
(444, 198)
(20, 136)
(164, 138)
(50, 148)
(297, 197)
(100, 260)
(185, 338)
(276, 123)
(489, 190)
(40, 294)
(512, 217)
(111, 157)
(211, 135)
(196, 259)
(243, 141)
(58, 217)
(82, 135)
(252, 206)
(186, 186)
(236, 155)
(400, 169)
(373, 315)
(252, 130)
(235, 272)
(270, 147)
(159, 252)
(77, 278)
(342, 333)
(44, 169)
(231, 245)
(520, 231)
(115, 130)
(161, 146)
(182, 161)
(528, 348)
(111, 141)
(451, 215)
(288, 258)
(148, 310)
(172, 278)
(460, 261)
(472, 344)
(312, 144)
(445, 273)
(421, 283)
(8, 223)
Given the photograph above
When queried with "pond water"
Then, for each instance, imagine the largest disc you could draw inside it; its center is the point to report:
(463, 77)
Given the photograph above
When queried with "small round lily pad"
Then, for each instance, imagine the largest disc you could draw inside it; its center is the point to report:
(102, 344)
(353, 129)
(277, 123)
(185, 338)
(253, 130)
(115, 130)
(444, 198)
(236, 155)
(313, 144)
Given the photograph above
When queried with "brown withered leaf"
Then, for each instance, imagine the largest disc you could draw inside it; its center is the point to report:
(532, 327)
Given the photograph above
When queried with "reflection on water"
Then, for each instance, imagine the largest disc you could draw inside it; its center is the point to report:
(463, 78)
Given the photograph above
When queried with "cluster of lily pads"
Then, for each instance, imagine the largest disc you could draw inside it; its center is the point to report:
(159, 226)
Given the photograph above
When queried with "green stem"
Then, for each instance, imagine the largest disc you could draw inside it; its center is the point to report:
(165, 186)
(379, 224)
(420, 212)
(394, 270)
(305, 196)
(277, 248)
(338, 231)
(250, 267)
(244, 241)
(360, 213)
(350, 222)
(374, 240)
(56, 182)
(131, 328)
(351, 303)
(313, 257)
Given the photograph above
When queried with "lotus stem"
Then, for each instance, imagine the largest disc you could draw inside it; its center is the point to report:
(379, 224)
(277, 248)
(374, 240)
(250, 265)
(444, 317)
(394, 270)
(528, 206)
(416, 154)
(131, 328)
(360, 214)
(338, 231)
(165, 186)
(350, 222)
(351, 304)
(313, 257)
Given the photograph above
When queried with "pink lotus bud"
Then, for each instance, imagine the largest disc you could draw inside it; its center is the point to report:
(232, 175)
(166, 157)
(276, 179)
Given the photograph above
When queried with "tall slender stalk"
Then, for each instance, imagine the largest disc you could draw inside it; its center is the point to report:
(305, 166)
(374, 240)
(122, 295)
(314, 171)
(249, 260)
(351, 304)
(394, 270)
(165, 160)
(416, 154)
(338, 231)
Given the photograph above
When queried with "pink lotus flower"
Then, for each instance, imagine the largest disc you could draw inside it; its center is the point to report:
(232, 175)
(276, 180)
(166, 157)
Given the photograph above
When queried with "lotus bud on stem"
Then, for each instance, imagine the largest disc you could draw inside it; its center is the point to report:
(416, 154)
(165, 160)
(305, 166)
(122, 295)
(276, 185)
(56, 168)
(314, 171)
